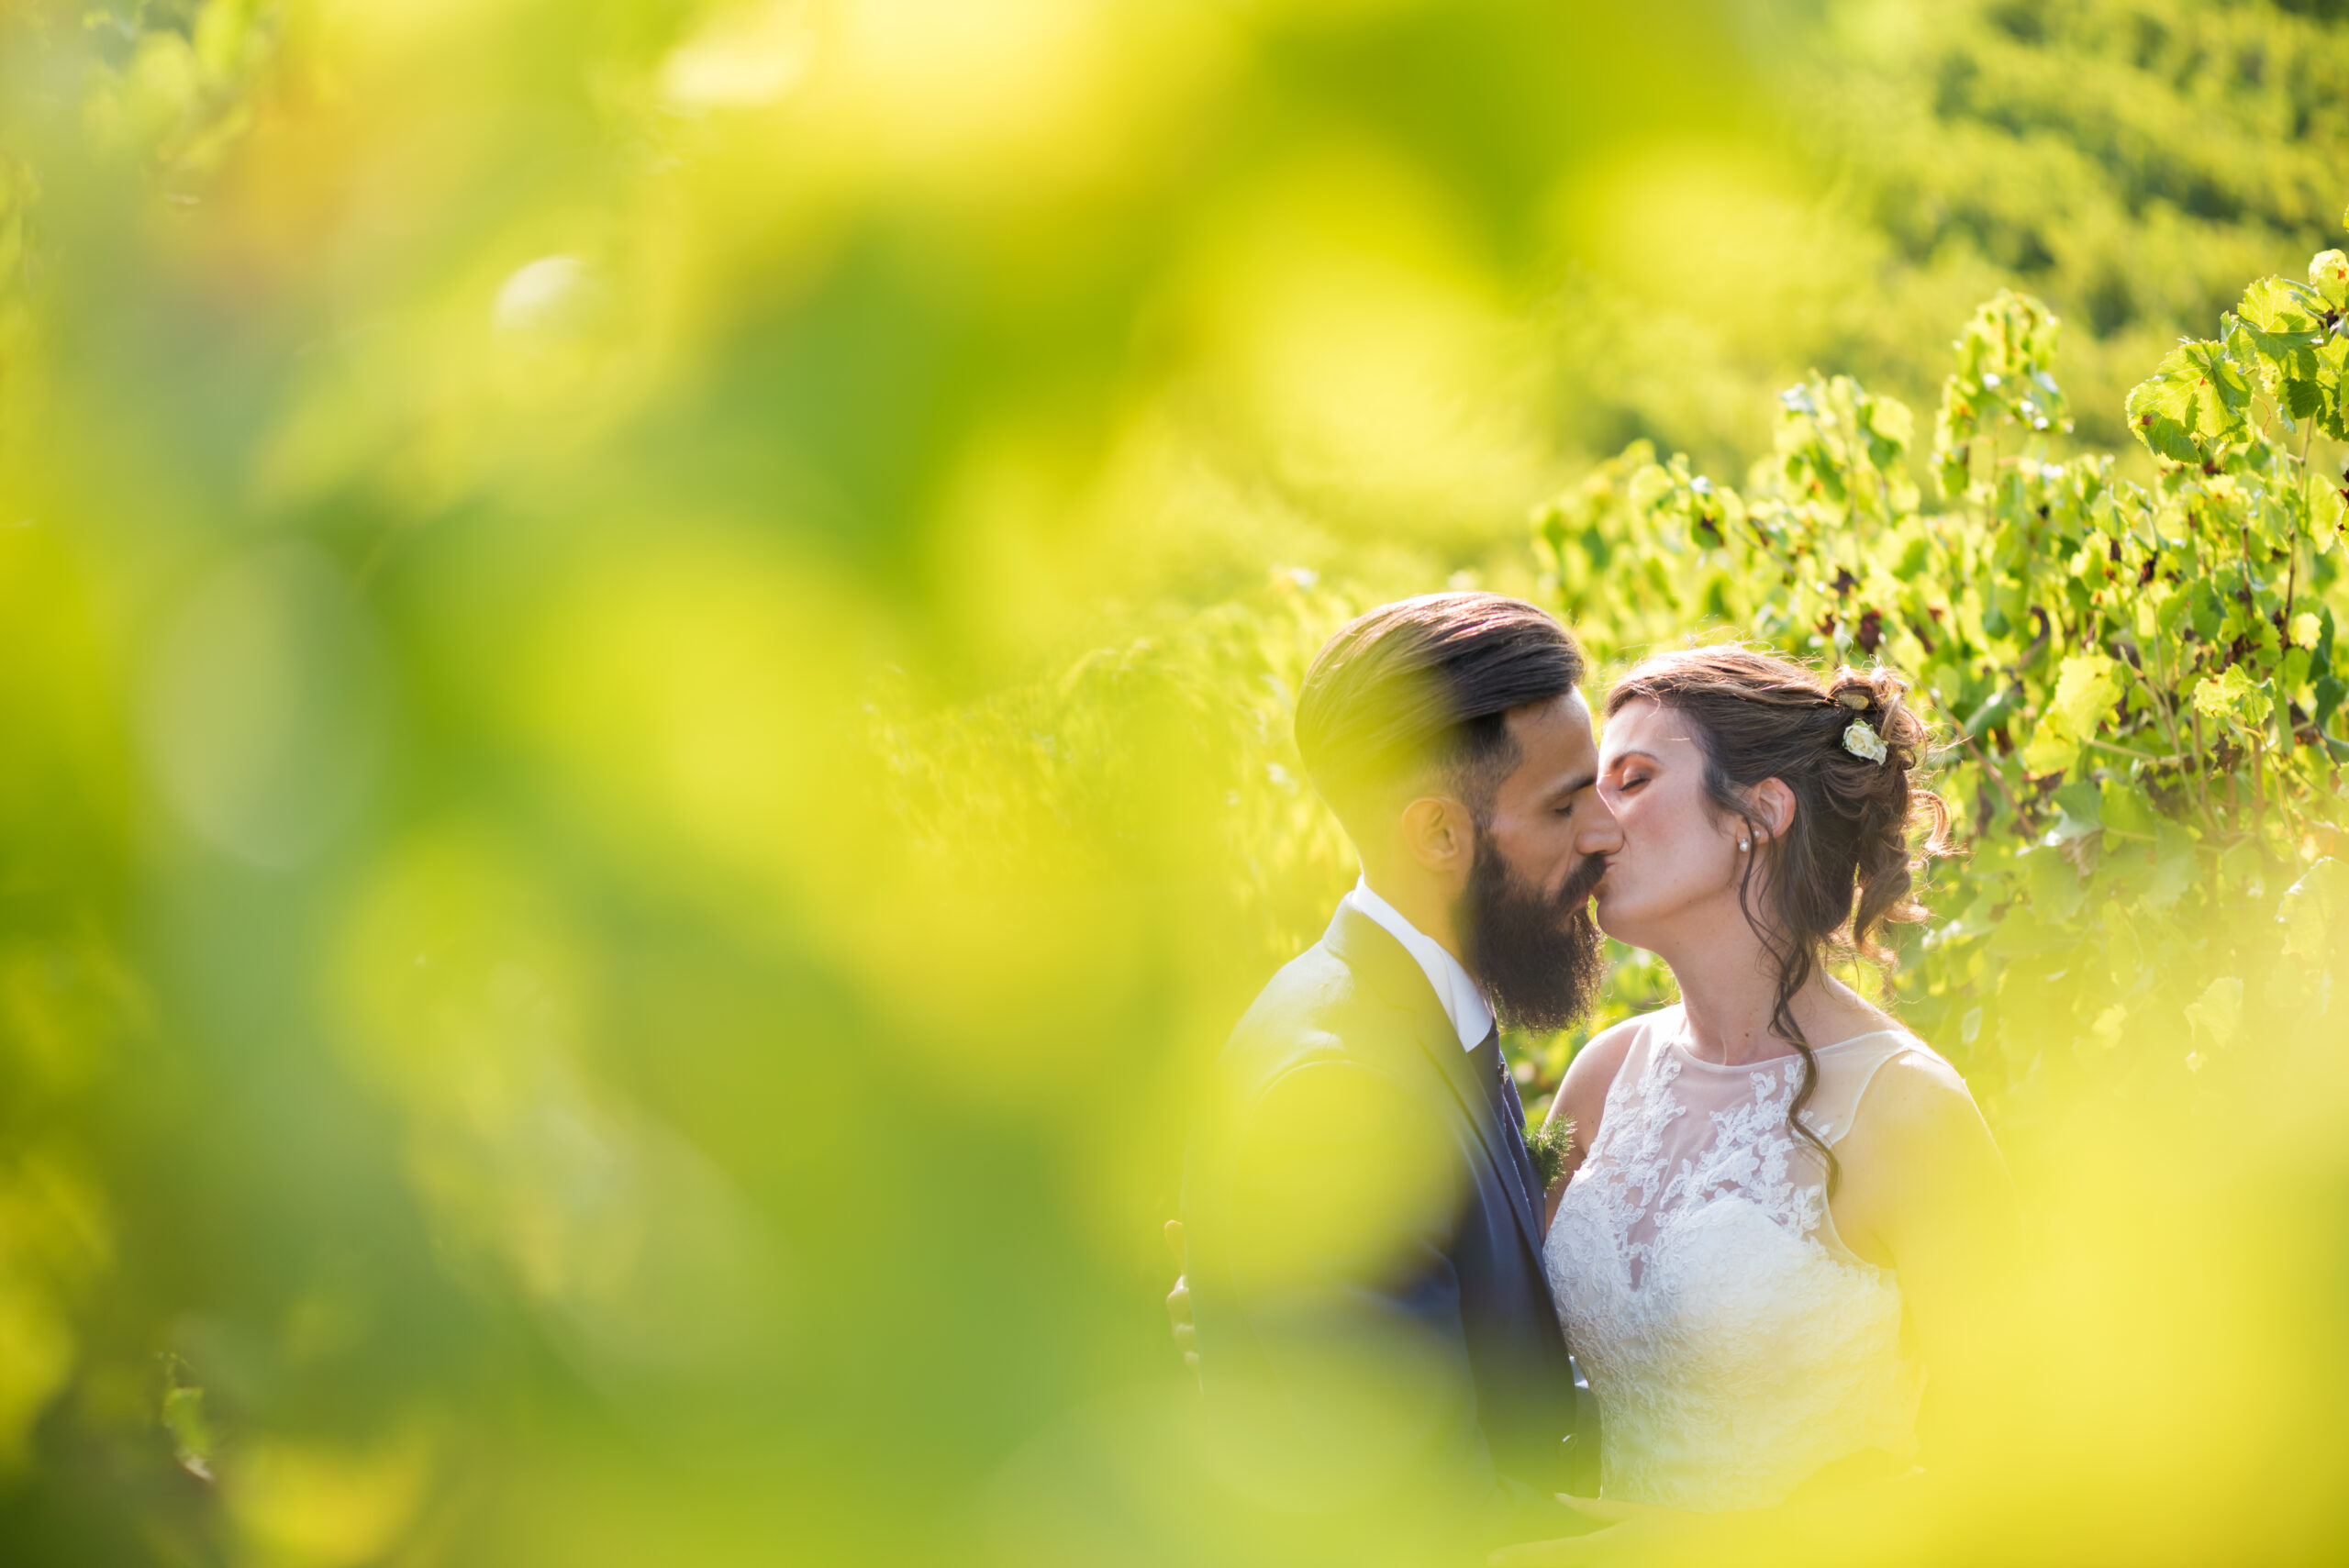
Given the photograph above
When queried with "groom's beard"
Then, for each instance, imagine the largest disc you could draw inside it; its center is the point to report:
(1537, 958)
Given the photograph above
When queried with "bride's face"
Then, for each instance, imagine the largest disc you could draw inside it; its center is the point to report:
(1678, 865)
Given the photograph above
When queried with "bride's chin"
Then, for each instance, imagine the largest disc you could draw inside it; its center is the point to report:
(1618, 917)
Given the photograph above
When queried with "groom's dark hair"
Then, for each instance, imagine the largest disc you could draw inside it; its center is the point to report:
(1428, 682)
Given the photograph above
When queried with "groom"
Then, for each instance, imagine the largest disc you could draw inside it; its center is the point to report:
(1362, 1227)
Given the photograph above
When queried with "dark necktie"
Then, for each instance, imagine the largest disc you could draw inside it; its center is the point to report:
(1508, 1110)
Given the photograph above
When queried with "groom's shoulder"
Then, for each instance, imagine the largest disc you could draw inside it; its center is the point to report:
(1313, 1008)
(1306, 995)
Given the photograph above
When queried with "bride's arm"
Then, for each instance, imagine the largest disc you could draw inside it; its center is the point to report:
(1924, 1187)
(1580, 1101)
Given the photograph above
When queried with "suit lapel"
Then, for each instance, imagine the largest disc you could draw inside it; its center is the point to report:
(1393, 975)
(1460, 1070)
(1507, 1121)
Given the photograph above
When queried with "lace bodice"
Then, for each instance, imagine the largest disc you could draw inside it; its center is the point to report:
(1734, 1343)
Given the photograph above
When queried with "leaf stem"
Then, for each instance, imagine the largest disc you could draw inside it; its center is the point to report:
(1990, 766)
(2174, 760)
(2153, 694)
(2201, 769)
(2258, 788)
(2308, 430)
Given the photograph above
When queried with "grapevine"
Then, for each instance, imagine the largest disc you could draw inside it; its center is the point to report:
(2141, 718)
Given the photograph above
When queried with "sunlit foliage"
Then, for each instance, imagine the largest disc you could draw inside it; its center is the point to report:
(645, 653)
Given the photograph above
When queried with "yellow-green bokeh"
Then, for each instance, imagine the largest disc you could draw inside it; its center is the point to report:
(644, 661)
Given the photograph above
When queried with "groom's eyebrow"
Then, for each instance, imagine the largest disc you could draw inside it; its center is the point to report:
(1575, 786)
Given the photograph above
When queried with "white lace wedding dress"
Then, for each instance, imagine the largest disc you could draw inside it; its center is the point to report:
(1734, 1343)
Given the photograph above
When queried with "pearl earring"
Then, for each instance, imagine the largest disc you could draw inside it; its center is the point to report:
(1745, 843)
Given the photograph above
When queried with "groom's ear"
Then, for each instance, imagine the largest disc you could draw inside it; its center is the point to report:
(1440, 835)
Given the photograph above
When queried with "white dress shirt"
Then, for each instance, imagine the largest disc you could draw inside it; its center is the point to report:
(1464, 1001)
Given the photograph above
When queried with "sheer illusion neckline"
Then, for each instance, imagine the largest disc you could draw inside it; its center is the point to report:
(1733, 1340)
(1679, 1045)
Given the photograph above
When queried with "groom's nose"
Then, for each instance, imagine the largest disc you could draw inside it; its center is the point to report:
(1596, 830)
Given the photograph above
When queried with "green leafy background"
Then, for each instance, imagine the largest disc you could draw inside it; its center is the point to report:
(645, 652)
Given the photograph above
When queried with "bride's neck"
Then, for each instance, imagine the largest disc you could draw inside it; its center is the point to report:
(1729, 998)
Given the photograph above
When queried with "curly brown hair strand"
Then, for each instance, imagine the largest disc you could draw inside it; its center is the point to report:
(1843, 868)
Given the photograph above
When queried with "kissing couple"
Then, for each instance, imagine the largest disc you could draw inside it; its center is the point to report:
(1769, 1210)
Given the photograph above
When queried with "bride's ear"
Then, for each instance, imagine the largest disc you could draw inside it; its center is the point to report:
(1773, 802)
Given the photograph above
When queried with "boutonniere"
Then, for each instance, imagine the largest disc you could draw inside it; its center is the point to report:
(1549, 1147)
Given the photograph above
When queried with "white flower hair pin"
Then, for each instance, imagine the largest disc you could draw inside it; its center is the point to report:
(1861, 739)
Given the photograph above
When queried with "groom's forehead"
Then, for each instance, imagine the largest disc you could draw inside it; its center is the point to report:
(1554, 740)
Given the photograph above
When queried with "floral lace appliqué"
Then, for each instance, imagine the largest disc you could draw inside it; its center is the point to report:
(1734, 1346)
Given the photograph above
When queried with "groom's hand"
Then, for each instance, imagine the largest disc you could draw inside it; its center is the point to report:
(1178, 1303)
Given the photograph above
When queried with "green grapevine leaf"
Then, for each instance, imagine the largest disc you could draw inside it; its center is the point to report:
(2232, 696)
(2078, 807)
(2124, 954)
(2087, 685)
(2005, 376)
(2315, 914)
(2193, 405)
(2330, 689)
(2174, 865)
(2218, 1017)
(2084, 688)
(2098, 851)
(2050, 752)
(2302, 399)
(2280, 320)
(2206, 612)
(2329, 275)
(2242, 866)
(2022, 933)
(1995, 709)
(2327, 516)
(1891, 426)
(2126, 810)
(2055, 884)
(2283, 325)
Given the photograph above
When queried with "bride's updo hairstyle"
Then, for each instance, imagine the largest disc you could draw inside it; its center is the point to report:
(1844, 867)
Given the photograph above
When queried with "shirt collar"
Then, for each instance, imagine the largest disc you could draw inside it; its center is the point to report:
(1463, 1002)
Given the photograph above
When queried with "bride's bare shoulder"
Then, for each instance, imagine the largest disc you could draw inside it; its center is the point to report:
(1915, 1090)
(1583, 1094)
(1843, 1014)
(1918, 1117)
(1602, 1057)
(1923, 1173)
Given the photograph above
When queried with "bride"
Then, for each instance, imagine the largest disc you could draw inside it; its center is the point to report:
(1781, 1210)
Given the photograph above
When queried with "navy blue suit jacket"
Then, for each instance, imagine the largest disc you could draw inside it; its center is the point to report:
(1363, 1230)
